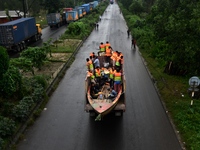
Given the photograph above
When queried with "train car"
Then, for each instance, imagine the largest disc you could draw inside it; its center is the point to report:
(71, 16)
(87, 7)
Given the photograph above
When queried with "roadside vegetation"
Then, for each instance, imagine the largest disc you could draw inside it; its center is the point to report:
(24, 80)
(167, 34)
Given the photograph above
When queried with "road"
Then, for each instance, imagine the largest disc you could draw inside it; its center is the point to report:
(65, 126)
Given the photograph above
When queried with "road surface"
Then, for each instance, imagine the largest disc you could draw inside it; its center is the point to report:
(65, 126)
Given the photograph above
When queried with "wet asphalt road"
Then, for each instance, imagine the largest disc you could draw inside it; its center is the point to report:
(65, 125)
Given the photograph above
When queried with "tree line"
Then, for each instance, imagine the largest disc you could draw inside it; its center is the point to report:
(169, 30)
(34, 6)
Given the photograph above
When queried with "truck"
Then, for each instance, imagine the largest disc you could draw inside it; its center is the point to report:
(80, 11)
(87, 7)
(102, 104)
(71, 16)
(16, 35)
(55, 20)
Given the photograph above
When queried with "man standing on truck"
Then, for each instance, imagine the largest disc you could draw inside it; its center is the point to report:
(117, 80)
(89, 65)
(96, 62)
(101, 48)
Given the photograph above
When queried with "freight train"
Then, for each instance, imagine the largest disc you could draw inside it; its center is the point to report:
(70, 14)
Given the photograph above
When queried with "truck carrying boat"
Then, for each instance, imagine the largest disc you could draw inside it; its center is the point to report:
(107, 99)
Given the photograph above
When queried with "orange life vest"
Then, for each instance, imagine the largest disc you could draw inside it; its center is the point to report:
(117, 76)
(114, 56)
(108, 52)
(102, 48)
(107, 45)
(98, 72)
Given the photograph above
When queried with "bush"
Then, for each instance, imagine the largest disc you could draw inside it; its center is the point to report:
(22, 110)
(1, 143)
(7, 127)
(4, 61)
(11, 82)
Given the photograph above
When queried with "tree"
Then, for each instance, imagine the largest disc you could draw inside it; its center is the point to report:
(4, 61)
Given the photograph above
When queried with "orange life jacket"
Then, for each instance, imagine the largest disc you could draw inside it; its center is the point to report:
(107, 45)
(108, 52)
(89, 74)
(114, 56)
(117, 76)
(97, 72)
(91, 65)
(102, 48)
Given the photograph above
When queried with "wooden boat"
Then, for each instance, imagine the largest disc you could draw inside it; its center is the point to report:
(102, 104)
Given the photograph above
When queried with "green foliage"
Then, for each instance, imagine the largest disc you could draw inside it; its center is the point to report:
(23, 64)
(1, 143)
(7, 127)
(180, 31)
(36, 55)
(136, 7)
(77, 28)
(6, 108)
(40, 79)
(4, 61)
(22, 110)
(30, 84)
(11, 82)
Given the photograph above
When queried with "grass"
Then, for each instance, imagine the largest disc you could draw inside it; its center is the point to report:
(174, 94)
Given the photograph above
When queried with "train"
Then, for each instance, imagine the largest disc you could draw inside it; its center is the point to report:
(69, 15)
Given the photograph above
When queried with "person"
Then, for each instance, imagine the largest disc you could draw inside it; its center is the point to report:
(114, 57)
(94, 90)
(97, 26)
(92, 54)
(108, 54)
(128, 32)
(112, 93)
(133, 43)
(96, 62)
(89, 65)
(117, 80)
(100, 18)
(91, 76)
(107, 45)
(98, 75)
(101, 48)
(111, 76)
